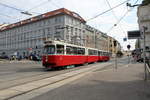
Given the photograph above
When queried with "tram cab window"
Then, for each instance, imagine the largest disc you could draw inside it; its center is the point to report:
(49, 49)
(60, 49)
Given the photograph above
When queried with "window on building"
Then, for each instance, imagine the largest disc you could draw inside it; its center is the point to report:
(58, 19)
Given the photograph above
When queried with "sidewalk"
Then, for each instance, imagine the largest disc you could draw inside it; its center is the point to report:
(125, 83)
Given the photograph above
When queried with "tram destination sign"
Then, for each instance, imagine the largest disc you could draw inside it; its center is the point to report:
(134, 34)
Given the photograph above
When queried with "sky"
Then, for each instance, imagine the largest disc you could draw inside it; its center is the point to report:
(86, 9)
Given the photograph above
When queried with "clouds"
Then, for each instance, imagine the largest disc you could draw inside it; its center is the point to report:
(86, 8)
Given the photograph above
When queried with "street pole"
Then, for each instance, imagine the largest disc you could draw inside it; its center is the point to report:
(128, 57)
(115, 46)
(144, 54)
(115, 60)
(128, 46)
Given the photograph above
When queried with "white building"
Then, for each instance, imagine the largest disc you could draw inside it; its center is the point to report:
(144, 20)
(28, 35)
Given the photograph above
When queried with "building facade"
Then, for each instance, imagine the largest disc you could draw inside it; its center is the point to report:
(144, 20)
(113, 45)
(28, 36)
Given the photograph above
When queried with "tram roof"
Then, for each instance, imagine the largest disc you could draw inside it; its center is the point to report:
(63, 43)
(52, 42)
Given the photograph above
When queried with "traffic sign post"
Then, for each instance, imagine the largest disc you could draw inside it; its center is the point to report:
(115, 44)
(128, 46)
(140, 35)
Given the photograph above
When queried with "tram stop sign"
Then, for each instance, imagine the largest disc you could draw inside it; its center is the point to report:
(129, 46)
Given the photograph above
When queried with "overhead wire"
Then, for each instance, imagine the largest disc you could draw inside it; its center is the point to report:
(41, 4)
(8, 16)
(5, 5)
(122, 17)
(115, 16)
(118, 21)
(108, 10)
(14, 8)
(55, 4)
(104, 12)
(20, 10)
(24, 11)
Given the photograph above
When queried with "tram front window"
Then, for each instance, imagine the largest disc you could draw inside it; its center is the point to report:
(50, 49)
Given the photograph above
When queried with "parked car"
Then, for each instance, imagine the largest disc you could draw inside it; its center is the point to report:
(4, 57)
(35, 57)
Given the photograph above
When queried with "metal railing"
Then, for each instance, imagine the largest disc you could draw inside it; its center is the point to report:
(148, 69)
(148, 65)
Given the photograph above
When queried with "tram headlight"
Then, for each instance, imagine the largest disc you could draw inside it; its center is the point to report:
(46, 58)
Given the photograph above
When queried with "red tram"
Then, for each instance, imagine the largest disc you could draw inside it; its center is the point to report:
(60, 54)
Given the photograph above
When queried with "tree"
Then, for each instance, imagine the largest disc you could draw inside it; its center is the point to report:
(145, 2)
(119, 54)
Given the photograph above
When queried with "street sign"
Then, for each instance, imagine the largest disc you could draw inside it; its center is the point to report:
(124, 39)
(134, 34)
(129, 46)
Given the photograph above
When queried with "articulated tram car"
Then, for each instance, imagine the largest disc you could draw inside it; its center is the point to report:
(60, 54)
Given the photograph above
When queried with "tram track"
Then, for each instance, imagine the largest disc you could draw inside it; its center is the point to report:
(60, 83)
(21, 85)
(23, 88)
(36, 77)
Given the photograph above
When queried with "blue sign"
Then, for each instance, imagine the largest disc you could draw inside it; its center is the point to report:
(124, 39)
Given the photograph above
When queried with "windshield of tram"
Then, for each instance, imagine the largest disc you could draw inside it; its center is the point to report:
(49, 49)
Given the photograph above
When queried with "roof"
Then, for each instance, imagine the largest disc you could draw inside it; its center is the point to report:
(44, 16)
(2, 25)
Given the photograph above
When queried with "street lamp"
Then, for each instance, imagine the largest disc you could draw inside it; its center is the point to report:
(26, 13)
(129, 4)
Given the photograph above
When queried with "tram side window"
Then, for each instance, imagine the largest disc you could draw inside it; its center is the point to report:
(99, 53)
(69, 50)
(75, 51)
(81, 51)
(102, 53)
(95, 52)
(92, 52)
(60, 49)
